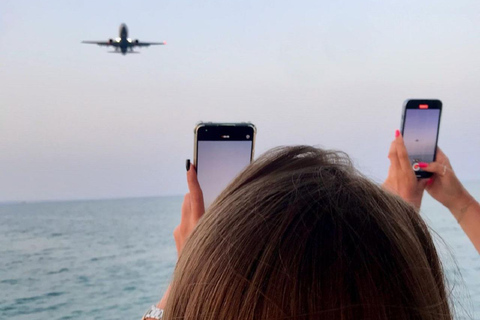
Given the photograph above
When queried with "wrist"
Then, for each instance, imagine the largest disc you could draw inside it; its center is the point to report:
(163, 302)
(461, 205)
(414, 199)
(153, 313)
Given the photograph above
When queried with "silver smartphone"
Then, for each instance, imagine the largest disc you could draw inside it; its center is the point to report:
(222, 151)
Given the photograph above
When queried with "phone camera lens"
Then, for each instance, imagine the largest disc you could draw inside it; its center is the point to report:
(248, 136)
(416, 166)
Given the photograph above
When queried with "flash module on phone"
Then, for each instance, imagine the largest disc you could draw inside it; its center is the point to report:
(222, 151)
(420, 127)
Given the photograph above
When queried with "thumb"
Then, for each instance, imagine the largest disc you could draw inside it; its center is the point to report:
(422, 183)
(196, 194)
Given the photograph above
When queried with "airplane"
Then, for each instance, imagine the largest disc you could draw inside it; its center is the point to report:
(123, 44)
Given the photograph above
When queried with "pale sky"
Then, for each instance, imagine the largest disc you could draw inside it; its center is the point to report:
(77, 122)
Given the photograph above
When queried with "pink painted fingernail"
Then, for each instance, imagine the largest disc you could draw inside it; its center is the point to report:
(397, 133)
(422, 164)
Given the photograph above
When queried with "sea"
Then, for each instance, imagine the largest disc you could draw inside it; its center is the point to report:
(112, 259)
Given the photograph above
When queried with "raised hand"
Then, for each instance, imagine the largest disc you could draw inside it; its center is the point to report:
(193, 209)
(401, 178)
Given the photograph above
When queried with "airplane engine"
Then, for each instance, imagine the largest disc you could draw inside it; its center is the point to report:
(136, 41)
(110, 41)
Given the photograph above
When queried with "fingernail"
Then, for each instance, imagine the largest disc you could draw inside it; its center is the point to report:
(187, 164)
(422, 164)
(430, 181)
(397, 133)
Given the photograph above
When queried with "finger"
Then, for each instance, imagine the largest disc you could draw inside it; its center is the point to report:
(435, 167)
(186, 207)
(392, 155)
(440, 153)
(422, 183)
(402, 154)
(196, 194)
(442, 158)
(429, 182)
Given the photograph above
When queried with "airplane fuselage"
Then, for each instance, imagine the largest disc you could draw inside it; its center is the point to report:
(123, 43)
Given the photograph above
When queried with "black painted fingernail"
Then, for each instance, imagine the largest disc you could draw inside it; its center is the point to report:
(187, 164)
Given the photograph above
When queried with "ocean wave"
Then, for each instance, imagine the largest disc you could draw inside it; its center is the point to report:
(102, 258)
(9, 281)
(56, 234)
(58, 271)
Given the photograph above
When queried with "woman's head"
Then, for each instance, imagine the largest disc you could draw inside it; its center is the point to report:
(300, 234)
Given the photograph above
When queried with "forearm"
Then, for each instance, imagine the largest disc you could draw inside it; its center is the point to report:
(468, 216)
(163, 301)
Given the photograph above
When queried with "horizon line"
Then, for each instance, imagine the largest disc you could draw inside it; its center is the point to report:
(7, 202)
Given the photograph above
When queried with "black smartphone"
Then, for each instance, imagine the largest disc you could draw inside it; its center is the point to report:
(222, 151)
(420, 127)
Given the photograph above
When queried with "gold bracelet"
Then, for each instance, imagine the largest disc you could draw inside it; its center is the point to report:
(463, 211)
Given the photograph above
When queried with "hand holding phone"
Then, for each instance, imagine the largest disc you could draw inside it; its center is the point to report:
(401, 179)
(222, 150)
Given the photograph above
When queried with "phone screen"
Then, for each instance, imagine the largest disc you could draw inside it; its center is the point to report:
(219, 159)
(420, 132)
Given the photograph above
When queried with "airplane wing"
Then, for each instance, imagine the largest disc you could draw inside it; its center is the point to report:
(102, 43)
(122, 52)
(146, 44)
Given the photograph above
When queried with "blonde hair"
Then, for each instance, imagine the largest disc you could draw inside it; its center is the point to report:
(300, 234)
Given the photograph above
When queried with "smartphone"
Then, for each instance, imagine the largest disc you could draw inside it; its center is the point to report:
(222, 151)
(420, 127)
